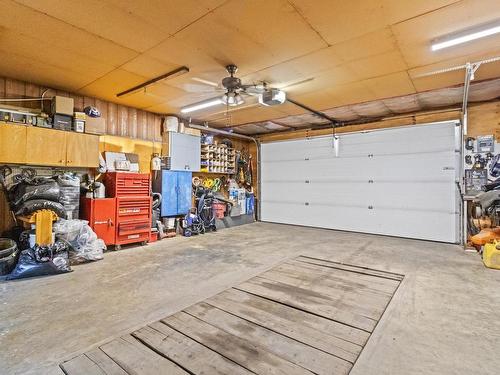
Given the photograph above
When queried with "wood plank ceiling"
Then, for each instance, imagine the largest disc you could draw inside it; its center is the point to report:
(339, 52)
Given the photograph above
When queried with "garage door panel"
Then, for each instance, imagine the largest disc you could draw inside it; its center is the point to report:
(284, 212)
(284, 171)
(425, 196)
(398, 182)
(428, 225)
(284, 192)
(438, 166)
(343, 218)
(338, 194)
(345, 168)
(418, 139)
(329, 194)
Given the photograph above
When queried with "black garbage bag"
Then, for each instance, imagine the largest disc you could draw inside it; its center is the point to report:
(42, 261)
(50, 192)
(27, 208)
(25, 186)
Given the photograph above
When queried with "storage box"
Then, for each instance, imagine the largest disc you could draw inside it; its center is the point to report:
(192, 131)
(62, 105)
(62, 122)
(79, 126)
(95, 125)
(80, 116)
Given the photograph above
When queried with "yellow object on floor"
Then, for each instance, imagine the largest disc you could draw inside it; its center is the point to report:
(43, 220)
(491, 255)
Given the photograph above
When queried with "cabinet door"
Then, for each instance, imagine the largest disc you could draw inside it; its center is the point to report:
(168, 193)
(13, 144)
(103, 220)
(82, 150)
(184, 192)
(185, 150)
(45, 147)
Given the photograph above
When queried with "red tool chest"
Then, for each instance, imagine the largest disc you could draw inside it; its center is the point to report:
(124, 184)
(132, 195)
(101, 215)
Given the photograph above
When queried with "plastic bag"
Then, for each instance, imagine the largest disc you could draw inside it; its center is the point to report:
(49, 192)
(29, 207)
(42, 261)
(70, 194)
(81, 239)
(24, 186)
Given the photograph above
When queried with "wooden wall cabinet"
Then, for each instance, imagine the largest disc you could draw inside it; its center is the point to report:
(47, 147)
(82, 150)
(12, 144)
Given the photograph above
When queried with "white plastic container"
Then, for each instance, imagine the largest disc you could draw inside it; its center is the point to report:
(242, 201)
(171, 124)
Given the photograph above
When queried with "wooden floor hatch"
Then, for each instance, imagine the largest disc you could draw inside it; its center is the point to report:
(305, 316)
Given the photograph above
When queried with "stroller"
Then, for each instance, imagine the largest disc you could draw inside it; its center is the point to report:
(201, 218)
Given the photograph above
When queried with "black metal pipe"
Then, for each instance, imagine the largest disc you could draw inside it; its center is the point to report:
(173, 73)
(313, 111)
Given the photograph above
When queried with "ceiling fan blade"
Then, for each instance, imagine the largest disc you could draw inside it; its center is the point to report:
(254, 89)
(199, 88)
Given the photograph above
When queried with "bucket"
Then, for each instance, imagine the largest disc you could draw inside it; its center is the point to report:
(8, 255)
(219, 210)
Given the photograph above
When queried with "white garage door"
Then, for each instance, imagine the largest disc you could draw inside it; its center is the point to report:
(398, 182)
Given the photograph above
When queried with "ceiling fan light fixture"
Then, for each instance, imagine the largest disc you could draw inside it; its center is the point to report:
(232, 99)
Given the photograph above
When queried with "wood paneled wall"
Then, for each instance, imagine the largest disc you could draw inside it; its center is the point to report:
(120, 120)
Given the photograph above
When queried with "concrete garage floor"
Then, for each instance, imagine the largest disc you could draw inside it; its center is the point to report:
(442, 320)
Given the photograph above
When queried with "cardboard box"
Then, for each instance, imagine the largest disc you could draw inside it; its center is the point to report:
(62, 105)
(192, 131)
(80, 116)
(95, 125)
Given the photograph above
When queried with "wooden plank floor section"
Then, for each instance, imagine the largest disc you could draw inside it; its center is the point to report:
(305, 316)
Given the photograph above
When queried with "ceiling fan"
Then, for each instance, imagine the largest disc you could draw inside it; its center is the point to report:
(234, 90)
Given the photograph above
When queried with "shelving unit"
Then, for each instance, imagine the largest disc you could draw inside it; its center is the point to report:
(217, 159)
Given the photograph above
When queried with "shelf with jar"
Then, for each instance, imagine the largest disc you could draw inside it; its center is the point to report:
(218, 158)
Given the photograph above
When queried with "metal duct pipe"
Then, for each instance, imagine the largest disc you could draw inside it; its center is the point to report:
(236, 135)
(219, 131)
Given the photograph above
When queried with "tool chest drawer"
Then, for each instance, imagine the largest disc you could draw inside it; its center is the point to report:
(133, 231)
(133, 208)
(121, 184)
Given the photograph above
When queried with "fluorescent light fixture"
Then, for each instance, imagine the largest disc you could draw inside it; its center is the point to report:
(467, 36)
(202, 105)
